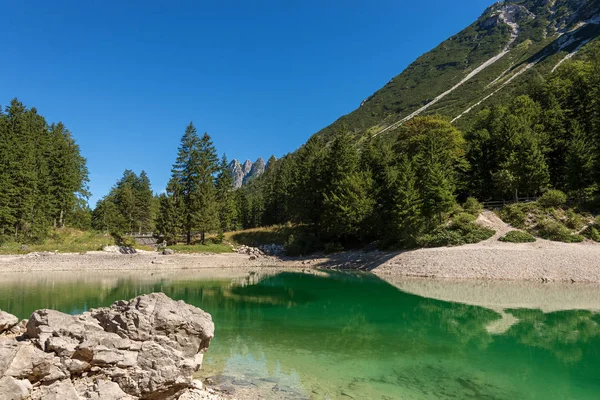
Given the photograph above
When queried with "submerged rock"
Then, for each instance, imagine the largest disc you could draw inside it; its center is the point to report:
(145, 348)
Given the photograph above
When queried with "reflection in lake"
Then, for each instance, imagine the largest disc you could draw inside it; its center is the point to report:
(316, 335)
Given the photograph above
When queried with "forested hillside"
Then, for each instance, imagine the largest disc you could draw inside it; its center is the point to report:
(405, 193)
(511, 44)
(43, 177)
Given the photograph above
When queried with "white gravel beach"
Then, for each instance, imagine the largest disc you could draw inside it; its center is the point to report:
(542, 261)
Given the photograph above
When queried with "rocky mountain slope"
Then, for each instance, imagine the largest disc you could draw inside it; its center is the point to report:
(490, 60)
(243, 173)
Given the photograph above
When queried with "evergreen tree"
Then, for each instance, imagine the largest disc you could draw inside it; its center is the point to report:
(128, 206)
(436, 150)
(225, 197)
(193, 183)
(144, 199)
(581, 158)
(169, 219)
(406, 212)
(42, 175)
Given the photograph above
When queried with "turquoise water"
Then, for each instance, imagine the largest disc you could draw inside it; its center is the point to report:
(330, 336)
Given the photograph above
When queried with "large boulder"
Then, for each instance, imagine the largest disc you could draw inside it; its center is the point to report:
(7, 321)
(145, 348)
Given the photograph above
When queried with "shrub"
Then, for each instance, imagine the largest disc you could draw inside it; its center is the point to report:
(514, 215)
(552, 198)
(463, 221)
(440, 238)
(574, 220)
(517, 237)
(215, 240)
(127, 241)
(478, 234)
(555, 231)
(472, 206)
(462, 230)
(591, 232)
(333, 247)
(301, 244)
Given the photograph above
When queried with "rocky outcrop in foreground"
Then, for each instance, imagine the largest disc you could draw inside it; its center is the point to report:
(145, 348)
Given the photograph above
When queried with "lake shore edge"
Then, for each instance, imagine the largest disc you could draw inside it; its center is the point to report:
(542, 261)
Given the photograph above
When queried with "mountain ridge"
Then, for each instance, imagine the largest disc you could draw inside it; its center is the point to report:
(246, 172)
(490, 58)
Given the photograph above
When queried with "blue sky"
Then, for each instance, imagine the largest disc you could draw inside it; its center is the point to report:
(260, 77)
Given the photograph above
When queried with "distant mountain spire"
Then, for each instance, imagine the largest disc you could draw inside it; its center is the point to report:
(243, 173)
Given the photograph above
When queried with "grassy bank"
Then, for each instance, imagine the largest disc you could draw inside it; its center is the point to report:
(64, 240)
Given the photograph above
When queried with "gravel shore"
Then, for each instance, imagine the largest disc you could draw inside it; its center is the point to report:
(542, 261)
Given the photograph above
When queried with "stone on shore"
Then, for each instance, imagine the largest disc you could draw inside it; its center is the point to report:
(145, 348)
(7, 321)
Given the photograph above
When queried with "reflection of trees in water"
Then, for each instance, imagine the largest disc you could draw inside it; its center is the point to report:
(564, 333)
(315, 324)
(465, 324)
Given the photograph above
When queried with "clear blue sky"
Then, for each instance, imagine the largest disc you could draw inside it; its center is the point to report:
(260, 77)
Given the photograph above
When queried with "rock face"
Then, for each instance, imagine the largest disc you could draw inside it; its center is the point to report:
(258, 168)
(236, 173)
(145, 348)
(244, 173)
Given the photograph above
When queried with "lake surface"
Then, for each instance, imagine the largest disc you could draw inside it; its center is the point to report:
(334, 335)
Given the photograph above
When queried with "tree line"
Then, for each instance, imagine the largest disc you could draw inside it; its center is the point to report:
(399, 187)
(395, 189)
(129, 207)
(43, 177)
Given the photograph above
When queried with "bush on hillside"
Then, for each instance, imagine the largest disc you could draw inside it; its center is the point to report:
(552, 230)
(472, 206)
(462, 230)
(591, 232)
(462, 222)
(552, 199)
(441, 237)
(517, 237)
(514, 215)
(302, 244)
(333, 247)
(574, 221)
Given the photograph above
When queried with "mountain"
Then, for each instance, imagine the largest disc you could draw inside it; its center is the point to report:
(244, 173)
(487, 62)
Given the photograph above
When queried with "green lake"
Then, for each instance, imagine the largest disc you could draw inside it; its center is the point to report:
(320, 335)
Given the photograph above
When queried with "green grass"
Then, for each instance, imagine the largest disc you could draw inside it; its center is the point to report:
(201, 248)
(260, 236)
(517, 237)
(64, 240)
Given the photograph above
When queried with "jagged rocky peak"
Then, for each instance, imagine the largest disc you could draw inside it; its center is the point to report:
(247, 167)
(236, 173)
(258, 168)
(244, 173)
(506, 13)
